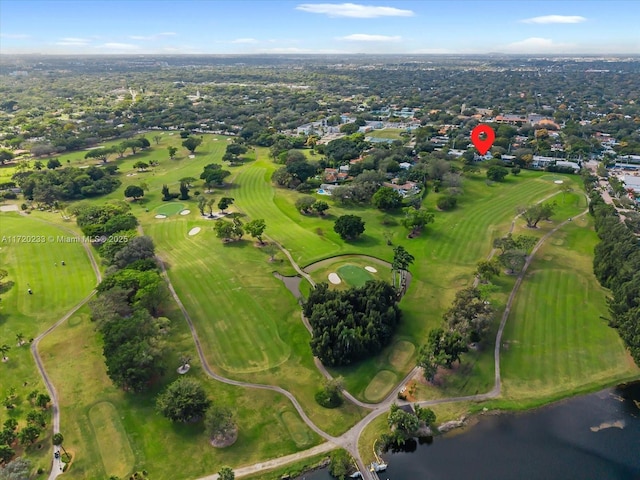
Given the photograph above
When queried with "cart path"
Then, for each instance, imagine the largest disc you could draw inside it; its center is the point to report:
(348, 440)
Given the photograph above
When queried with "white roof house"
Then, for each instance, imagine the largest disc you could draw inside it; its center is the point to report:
(632, 181)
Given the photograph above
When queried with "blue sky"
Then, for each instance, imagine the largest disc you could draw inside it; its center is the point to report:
(247, 26)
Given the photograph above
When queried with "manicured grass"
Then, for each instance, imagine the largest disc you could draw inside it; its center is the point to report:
(170, 208)
(379, 386)
(115, 450)
(73, 356)
(556, 338)
(29, 248)
(297, 429)
(393, 133)
(248, 323)
(401, 353)
(354, 275)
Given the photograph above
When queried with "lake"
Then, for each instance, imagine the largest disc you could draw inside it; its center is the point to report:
(595, 436)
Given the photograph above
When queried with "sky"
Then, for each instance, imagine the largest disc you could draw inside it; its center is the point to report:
(298, 27)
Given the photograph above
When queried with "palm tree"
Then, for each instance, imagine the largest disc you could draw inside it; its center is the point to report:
(401, 261)
(3, 350)
(20, 338)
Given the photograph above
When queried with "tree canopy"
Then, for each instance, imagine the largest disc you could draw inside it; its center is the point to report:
(352, 324)
(349, 227)
(183, 401)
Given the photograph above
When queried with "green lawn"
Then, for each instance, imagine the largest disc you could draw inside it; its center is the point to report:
(557, 340)
(99, 420)
(29, 250)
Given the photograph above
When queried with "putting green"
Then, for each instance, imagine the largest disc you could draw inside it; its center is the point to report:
(354, 275)
(380, 386)
(401, 353)
(115, 450)
(170, 209)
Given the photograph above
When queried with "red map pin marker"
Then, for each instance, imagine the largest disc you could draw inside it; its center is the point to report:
(483, 145)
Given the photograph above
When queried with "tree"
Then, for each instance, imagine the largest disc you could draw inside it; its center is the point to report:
(36, 418)
(386, 198)
(487, 269)
(514, 260)
(29, 434)
(401, 261)
(172, 152)
(226, 473)
(57, 440)
(166, 195)
(53, 163)
(5, 156)
(304, 204)
(320, 206)
(349, 227)
(534, 213)
(329, 396)
(224, 203)
(20, 339)
(497, 173)
(191, 144)
(184, 191)
(43, 400)
(447, 202)
(6, 453)
(218, 422)
(141, 166)
(214, 175)
(134, 191)
(4, 349)
(202, 202)
(256, 228)
(341, 461)
(183, 401)
(38, 165)
(157, 139)
(416, 220)
(224, 230)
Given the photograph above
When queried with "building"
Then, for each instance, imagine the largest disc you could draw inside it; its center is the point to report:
(632, 182)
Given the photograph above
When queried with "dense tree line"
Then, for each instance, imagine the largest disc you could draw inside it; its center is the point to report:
(130, 300)
(70, 183)
(353, 324)
(616, 264)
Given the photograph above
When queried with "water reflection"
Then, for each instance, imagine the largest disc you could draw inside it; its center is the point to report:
(593, 437)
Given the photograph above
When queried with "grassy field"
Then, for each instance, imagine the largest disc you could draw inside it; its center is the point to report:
(112, 432)
(29, 250)
(249, 324)
(557, 339)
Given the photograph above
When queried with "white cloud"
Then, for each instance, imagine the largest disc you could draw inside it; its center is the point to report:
(118, 46)
(353, 10)
(555, 19)
(538, 45)
(364, 37)
(73, 41)
(245, 40)
(155, 36)
(14, 36)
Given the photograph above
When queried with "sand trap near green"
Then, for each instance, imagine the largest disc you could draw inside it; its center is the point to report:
(354, 275)
(380, 386)
(334, 278)
(194, 231)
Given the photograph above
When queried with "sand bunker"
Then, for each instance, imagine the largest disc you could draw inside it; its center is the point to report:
(194, 231)
(370, 269)
(192, 156)
(185, 212)
(161, 216)
(334, 278)
(559, 182)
